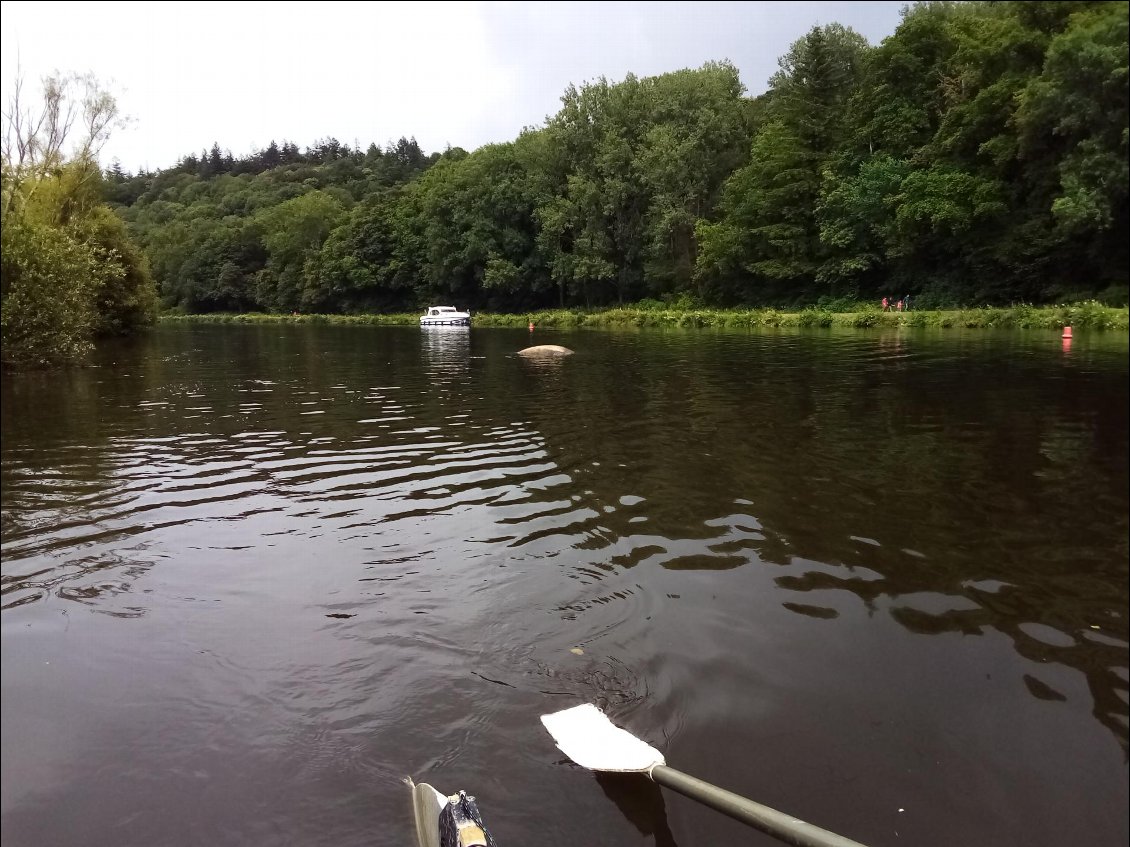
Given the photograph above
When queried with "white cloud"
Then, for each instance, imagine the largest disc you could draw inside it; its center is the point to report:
(463, 74)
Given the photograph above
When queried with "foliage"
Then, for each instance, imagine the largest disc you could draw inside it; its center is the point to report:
(124, 297)
(977, 156)
(69, 270)
(48, 285)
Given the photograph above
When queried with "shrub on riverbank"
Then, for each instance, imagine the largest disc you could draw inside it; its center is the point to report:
(68, 270)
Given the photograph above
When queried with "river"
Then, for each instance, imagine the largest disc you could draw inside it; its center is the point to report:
(253, 576)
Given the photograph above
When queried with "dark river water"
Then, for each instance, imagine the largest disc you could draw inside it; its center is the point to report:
(253, 576)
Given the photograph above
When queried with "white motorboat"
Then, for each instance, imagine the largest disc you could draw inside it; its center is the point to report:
(445, 316)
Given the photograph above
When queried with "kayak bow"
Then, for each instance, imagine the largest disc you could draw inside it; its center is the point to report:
(447, 821)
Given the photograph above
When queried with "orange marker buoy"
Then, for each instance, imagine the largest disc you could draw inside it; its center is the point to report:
(1067, 332)
(531, 326)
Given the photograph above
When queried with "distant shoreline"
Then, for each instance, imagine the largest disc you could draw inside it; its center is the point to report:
(1086, 315)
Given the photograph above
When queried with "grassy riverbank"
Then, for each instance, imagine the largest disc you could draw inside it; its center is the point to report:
(1087, 315)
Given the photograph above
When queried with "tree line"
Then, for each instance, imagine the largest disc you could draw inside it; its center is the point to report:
(977, 155)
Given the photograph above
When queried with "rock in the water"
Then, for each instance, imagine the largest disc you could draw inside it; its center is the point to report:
(546, 350)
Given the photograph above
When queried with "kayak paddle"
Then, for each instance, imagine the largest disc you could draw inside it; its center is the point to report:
(589, 738)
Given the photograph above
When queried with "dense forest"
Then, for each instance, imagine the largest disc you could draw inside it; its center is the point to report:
(976, 156)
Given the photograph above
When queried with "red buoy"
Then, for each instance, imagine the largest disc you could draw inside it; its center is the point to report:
(1067, 332)
(531, 326)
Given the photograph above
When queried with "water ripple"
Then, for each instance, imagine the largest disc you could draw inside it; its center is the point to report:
(352, 555)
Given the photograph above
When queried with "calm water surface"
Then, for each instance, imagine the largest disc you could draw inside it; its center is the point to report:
(254, 576)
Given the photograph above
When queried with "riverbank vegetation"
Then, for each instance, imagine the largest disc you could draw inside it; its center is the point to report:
(69, 272)
(977, 156)
(1089, 315)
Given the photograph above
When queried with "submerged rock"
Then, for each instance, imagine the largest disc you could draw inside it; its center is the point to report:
(546, 350)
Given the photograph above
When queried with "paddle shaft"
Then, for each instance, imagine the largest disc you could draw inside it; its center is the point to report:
(778, 824)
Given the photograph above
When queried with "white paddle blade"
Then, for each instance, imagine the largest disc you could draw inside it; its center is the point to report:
(586, 736)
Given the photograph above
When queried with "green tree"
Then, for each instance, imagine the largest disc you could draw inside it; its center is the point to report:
(48, 280)
(68, 270)
(1079, 101)
(697, 135)
(293, 232)
(768, 226)
(476, 218)
(123, 294)
(357, 265)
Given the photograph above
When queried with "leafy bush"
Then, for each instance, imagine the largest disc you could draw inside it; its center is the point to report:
(812, 316)
(47, 316)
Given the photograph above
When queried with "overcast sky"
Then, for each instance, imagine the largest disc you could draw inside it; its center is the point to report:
(459, 74)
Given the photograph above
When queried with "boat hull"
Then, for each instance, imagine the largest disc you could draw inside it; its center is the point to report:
(445, 321)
